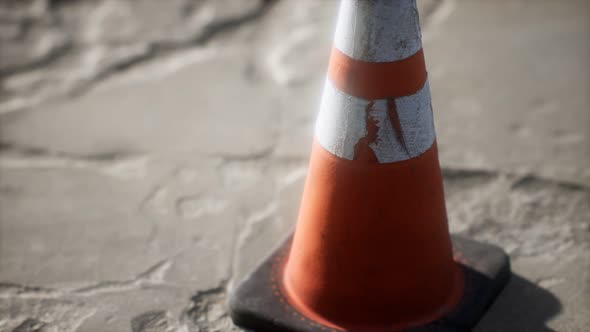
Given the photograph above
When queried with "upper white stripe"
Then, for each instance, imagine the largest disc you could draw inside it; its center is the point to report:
(342, 122)
(378, 30)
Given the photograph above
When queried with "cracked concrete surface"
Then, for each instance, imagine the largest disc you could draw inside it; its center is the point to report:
(150, 155)
(52, 48)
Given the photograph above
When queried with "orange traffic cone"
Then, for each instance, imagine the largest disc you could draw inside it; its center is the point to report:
(372, 251)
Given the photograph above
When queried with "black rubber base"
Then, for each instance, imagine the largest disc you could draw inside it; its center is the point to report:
(257, 304)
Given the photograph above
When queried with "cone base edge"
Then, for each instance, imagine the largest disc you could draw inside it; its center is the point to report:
(254, 306)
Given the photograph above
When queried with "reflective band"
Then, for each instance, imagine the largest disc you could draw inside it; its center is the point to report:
(395, 129)
(378, 30)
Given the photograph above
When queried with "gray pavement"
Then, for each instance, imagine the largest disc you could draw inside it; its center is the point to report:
(151, 154)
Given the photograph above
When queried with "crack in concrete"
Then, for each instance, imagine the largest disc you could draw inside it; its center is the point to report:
(118, 164)
(522, 180)
(30, 151)
(529, 180)
(153, 50)
(153, 276)
(84, 86)
(231, 24)
(243, 233)
(265, 157)
(30, 325)
(10, 290)
(255, 156)
(461, 174)
(47, 59)
(152, 197)
(233, 256)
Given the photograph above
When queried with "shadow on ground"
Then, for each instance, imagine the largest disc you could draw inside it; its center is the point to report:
(522, 306)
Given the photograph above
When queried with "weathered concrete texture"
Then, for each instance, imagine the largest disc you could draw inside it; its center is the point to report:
(51, 48)
(543, 225)
(510, 84)
(131, 117)
(42, 315)
(179, 160)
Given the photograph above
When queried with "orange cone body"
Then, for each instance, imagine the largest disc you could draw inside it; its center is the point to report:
(373, 237)
(371, 251)
(372, 227)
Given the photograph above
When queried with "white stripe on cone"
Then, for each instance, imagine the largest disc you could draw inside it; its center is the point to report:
(342, 123)
(378, 30)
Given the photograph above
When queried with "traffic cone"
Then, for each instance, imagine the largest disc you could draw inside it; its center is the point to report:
(372, 250)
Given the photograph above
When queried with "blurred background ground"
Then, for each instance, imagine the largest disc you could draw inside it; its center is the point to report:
(151, 152)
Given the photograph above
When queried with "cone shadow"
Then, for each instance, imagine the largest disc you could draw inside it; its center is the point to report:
(522, 306)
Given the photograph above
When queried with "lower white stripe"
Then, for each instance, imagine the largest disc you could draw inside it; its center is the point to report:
(342, 122)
